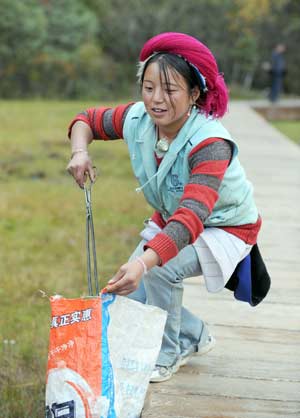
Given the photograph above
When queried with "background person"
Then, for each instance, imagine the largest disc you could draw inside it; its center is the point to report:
(277, 71)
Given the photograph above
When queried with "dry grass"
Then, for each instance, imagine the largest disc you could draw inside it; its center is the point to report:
(42, 235)
(290, 128)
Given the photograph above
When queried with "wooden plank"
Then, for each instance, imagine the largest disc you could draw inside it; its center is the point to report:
(274, 316)
(279, 265)
(260, 335)
(254, 351)
(280, 277)
(237, 365)
(280, 295)
(191, 381)
(164, 405)
(284, 290)
(254, 370)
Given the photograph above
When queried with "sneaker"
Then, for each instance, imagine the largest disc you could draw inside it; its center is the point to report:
(202, 348)
(163, 373)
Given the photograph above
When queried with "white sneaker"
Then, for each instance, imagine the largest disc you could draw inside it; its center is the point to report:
(163, 373)
(202, 348)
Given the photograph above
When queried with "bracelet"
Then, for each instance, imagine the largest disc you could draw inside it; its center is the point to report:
(76, 151)
(142, 263)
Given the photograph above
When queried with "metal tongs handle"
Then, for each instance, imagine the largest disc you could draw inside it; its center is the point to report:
(90, 241)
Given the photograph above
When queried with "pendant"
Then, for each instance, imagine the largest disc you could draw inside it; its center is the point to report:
(162, 145)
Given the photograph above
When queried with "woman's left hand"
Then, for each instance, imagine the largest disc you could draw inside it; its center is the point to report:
(127, 279)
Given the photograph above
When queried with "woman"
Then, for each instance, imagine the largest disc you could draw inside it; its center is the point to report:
(205, 220)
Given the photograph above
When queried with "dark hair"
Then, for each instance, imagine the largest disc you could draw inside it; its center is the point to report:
(173, 62)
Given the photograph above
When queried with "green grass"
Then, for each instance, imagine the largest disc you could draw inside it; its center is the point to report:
(290, 128)
(42, 230)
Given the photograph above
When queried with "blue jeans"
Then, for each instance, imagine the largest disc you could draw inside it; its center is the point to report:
(276, 87)
(163, 287)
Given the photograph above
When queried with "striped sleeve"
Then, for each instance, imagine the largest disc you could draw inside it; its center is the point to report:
(105, 122)
(208, 162)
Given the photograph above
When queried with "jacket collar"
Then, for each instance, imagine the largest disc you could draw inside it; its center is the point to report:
(147, 141)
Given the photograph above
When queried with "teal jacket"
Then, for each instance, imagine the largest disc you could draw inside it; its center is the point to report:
(163, 187)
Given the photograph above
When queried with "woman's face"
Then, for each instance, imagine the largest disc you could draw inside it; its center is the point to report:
(166, 103)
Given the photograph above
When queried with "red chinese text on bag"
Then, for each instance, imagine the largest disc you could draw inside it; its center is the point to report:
(74, 359)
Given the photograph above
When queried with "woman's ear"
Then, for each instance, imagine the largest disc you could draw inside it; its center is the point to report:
(195, 93)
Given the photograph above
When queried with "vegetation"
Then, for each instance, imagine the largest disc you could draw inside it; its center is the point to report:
(290, 128)
(42, 229)
(88, 48)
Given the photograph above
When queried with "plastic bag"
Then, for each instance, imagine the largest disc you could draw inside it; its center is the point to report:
(102, 351)
(134, 338)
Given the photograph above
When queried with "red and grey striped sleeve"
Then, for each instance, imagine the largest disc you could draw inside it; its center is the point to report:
(105, 122)
(208, 162)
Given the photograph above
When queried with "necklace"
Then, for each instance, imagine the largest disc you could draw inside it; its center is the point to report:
(162, 145)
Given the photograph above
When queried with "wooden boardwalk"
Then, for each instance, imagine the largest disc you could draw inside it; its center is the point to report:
(254, 370)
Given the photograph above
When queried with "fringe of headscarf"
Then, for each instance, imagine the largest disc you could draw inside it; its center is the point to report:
(215, 100)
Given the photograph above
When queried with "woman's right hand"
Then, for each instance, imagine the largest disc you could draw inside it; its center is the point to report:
(80, 166)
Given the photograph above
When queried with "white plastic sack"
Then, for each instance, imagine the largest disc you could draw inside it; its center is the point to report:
(101, 354)
(134, 337)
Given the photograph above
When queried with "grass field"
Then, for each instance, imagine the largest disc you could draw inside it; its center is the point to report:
(290, 128)
(42, 235)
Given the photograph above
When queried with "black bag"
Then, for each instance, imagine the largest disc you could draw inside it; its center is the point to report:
(250, 281)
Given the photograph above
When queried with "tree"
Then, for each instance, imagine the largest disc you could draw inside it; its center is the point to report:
(81, 48)
(69, 26)
(22, 35)
(39, 46)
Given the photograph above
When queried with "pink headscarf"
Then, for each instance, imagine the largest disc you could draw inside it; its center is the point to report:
(198, 54)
